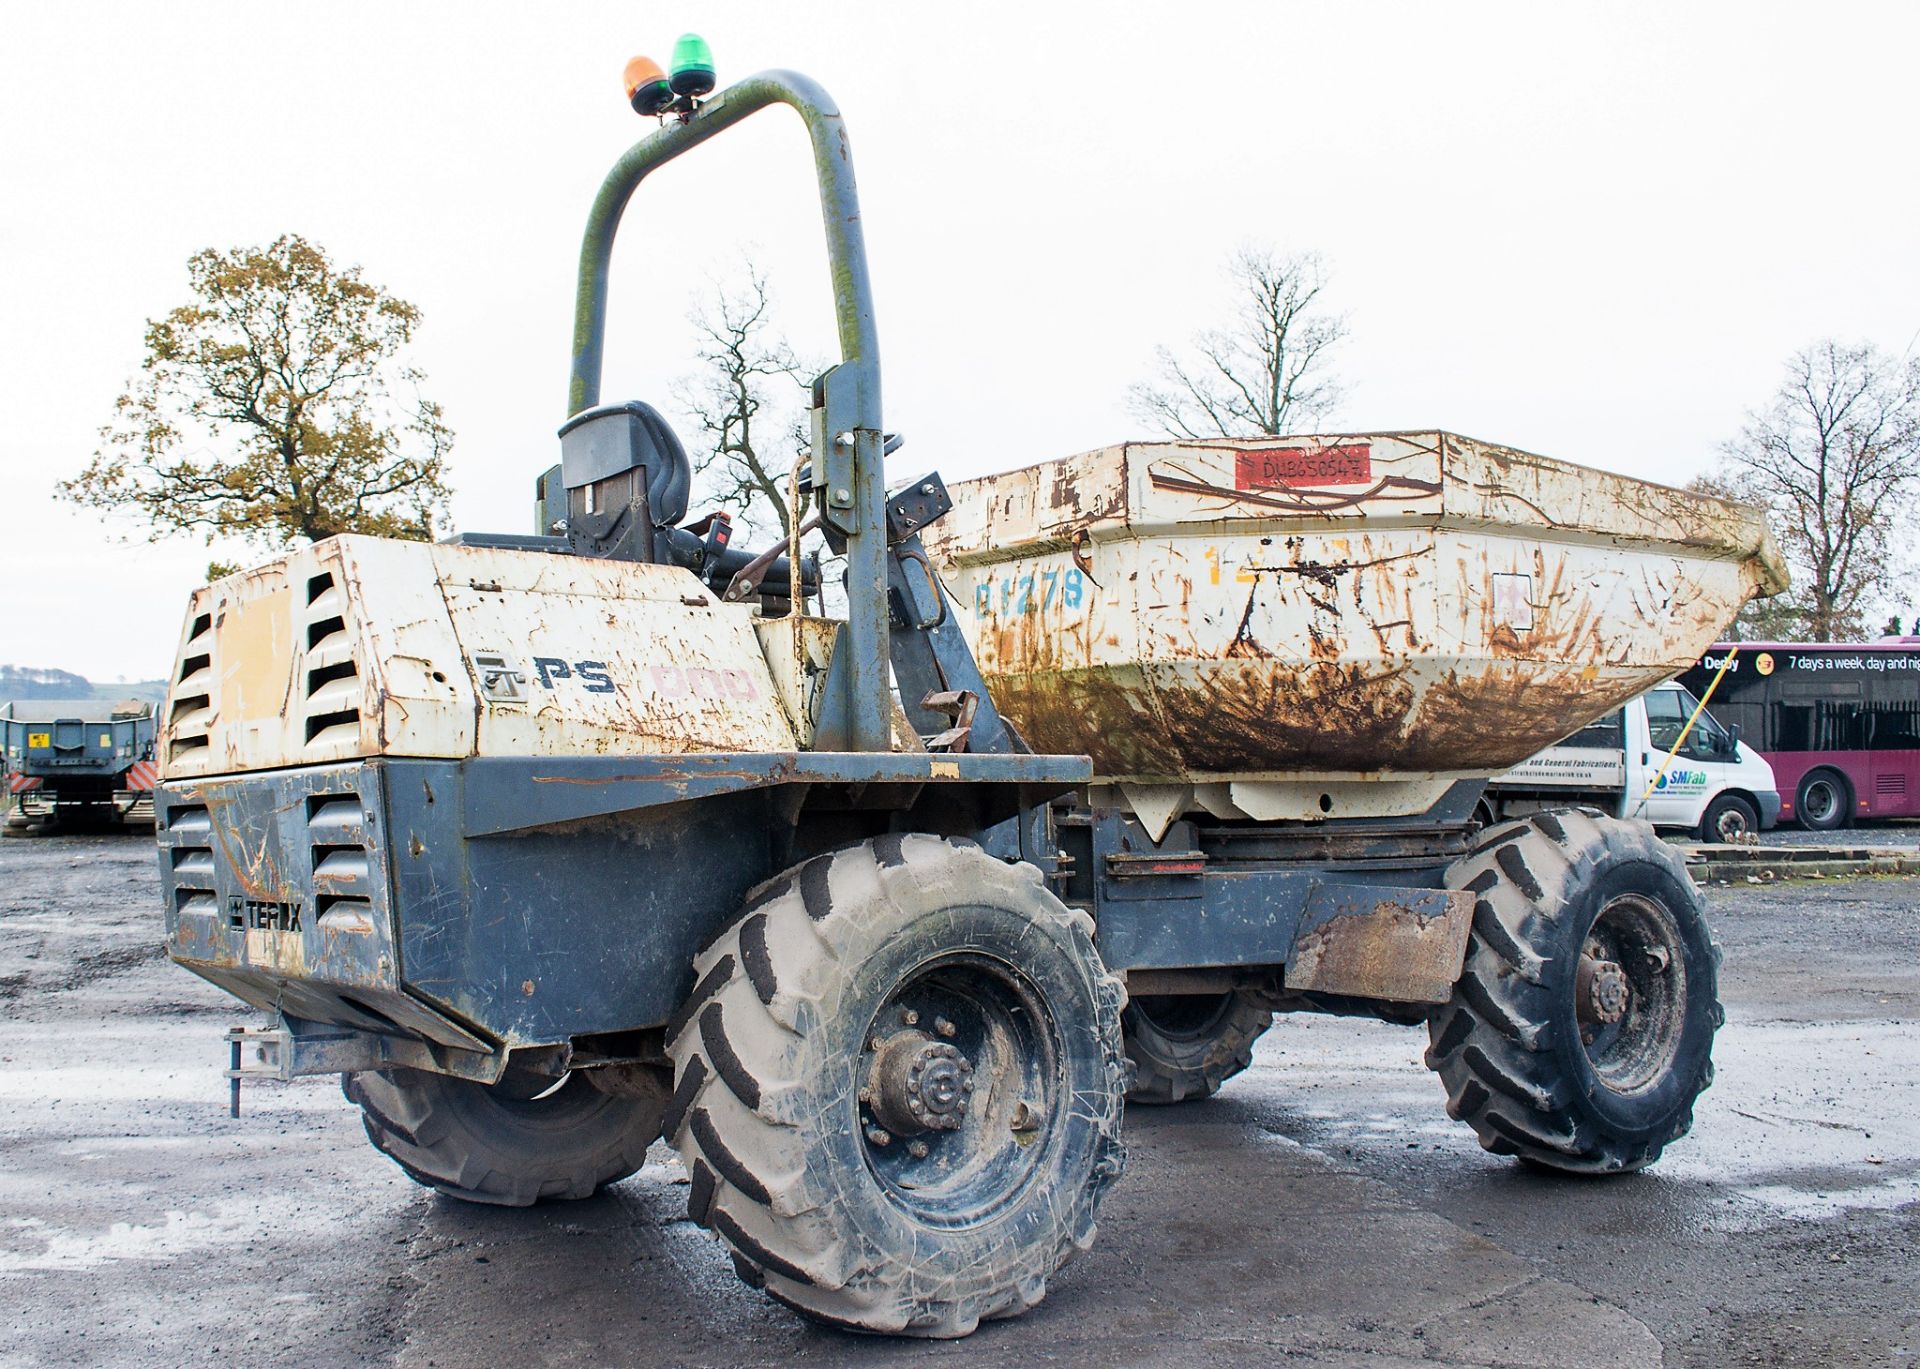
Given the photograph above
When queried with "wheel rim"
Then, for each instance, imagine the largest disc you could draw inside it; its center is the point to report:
(1731, 823)
(1630, 993)
(1183, 1017)
(1820, 802)
(961, 1090)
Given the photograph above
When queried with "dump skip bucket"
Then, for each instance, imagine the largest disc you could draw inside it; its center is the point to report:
(1329, 626)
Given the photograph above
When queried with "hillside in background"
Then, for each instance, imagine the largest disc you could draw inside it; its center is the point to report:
(31, 682)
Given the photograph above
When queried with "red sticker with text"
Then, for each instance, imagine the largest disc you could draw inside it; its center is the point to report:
(1283, 467)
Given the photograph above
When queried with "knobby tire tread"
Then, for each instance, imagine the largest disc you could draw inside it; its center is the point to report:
(749, 1185)
(1493, 1045)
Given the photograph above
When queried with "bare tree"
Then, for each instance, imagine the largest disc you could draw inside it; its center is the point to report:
(1263, 373)
(745, 398)
(1834, 457)
(1780, 618)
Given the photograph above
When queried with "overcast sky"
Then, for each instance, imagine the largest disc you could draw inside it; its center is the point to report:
(1593, 231)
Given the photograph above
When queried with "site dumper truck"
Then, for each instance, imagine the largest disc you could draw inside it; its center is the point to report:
(76, 761)
(555, 845)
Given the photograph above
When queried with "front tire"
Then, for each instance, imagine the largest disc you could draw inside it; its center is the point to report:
(1187, 1045)
(509, 1144)
(899, 1081)
(1581, 1030)
(1825, 801)
(1729, 818)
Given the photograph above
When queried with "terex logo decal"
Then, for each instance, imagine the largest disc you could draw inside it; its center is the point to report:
(262, 915)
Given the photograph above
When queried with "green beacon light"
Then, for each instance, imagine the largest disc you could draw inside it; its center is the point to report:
(692, 66)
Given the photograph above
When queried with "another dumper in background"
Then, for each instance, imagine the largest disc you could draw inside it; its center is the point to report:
(77, 761)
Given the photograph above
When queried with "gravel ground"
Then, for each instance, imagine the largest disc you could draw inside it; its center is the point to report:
(1321, 1210)
(1877, 834)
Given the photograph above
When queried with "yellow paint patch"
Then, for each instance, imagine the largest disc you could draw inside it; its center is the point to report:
(256, 653)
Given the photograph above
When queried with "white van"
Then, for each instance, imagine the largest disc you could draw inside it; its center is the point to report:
(1715, 786)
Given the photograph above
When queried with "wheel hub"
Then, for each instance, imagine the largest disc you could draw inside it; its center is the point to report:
(919, 1084)
(1601, 991)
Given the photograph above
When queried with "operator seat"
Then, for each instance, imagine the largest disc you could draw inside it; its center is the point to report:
(627, 482)
(612, 453)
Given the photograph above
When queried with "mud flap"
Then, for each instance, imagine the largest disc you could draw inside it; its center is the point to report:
(1406, 947)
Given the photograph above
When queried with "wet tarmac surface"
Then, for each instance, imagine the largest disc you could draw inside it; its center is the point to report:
(1321, 1210)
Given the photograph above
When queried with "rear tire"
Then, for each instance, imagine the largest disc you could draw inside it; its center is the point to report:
(1579, 917)
(1825, 801)
(493, 1144)
(1187, 1045)
(1729, 818)
(856, 997)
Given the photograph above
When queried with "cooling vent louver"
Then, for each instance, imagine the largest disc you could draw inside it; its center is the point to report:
(190, 716)
(332, 707)
(337, 837)
(189, 846)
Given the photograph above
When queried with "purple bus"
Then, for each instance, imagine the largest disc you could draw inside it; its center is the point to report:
(1838, 722)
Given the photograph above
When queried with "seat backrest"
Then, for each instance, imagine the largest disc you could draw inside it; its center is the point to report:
(607, 451)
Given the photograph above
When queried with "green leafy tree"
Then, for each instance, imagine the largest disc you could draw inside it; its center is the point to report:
(275, 407)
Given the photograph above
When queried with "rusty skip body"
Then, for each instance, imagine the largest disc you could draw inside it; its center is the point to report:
(1388, 612)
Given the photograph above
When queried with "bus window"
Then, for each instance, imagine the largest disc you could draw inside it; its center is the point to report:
(1749, 716)
(1792, 728)
(1893, 724)
(1822, 725)
(1840, 725)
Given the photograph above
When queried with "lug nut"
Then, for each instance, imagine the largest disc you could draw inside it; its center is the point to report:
(944, 1027)
(909, 1016)
(918, 1150)
(876, 1044)
(1602, 992)
(879, 1137)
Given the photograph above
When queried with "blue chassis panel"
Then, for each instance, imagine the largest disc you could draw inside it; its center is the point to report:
(529, 901)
